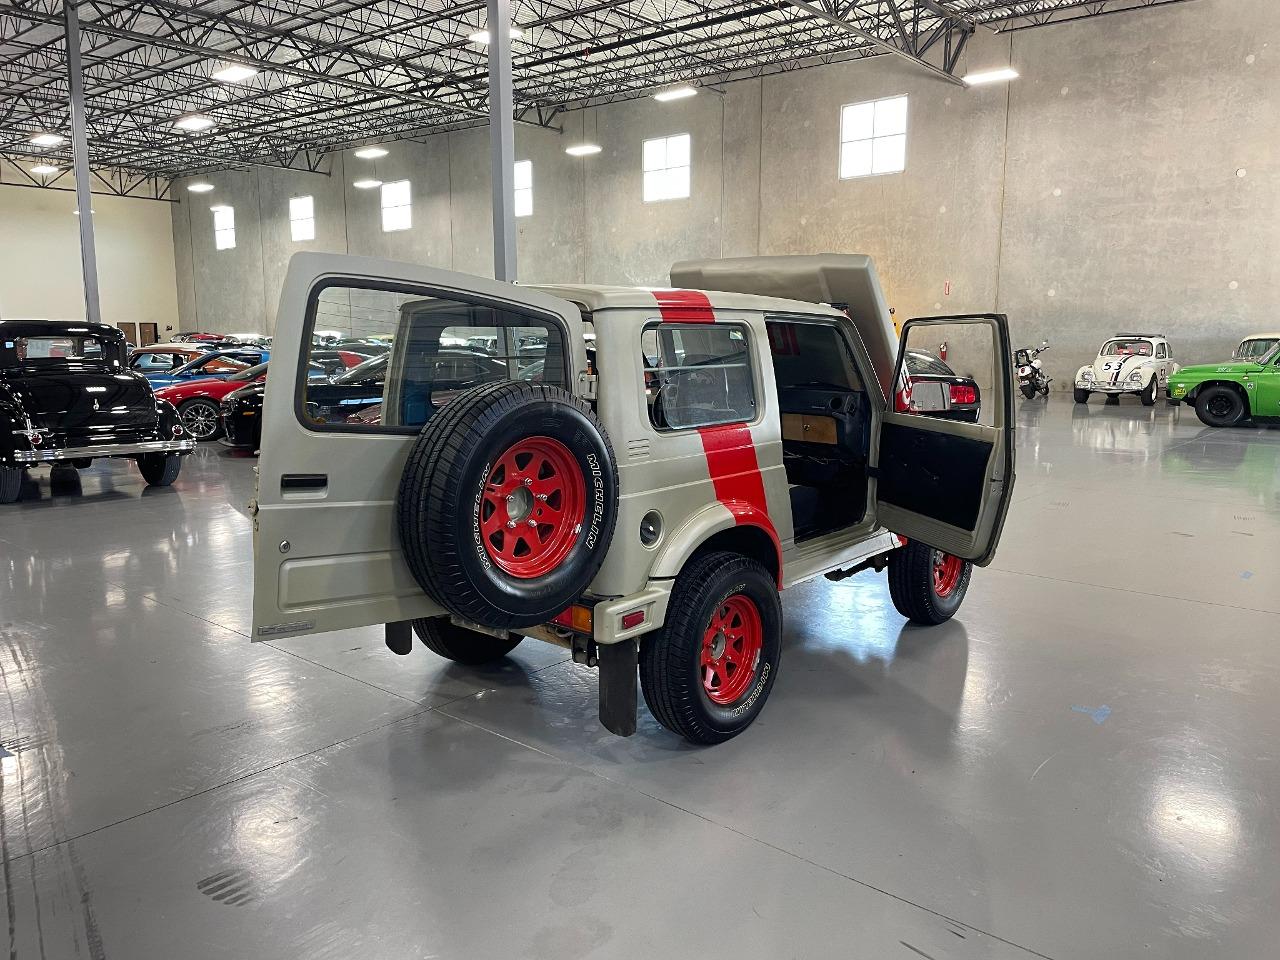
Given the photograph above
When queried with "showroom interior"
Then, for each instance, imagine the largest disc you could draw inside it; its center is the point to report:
(274, 684)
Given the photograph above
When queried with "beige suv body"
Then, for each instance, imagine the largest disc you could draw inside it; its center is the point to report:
(743, 425)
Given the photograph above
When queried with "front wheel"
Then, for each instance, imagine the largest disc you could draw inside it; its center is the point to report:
(200, 417)
(1220, 407)
(445, 638)
(1082, 396)
(159, 469)
(1148, 395)
(10, 484)
(707, 673)
(927, 586)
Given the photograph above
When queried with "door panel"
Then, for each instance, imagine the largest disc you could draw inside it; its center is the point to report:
(327, 554)
(945, 465)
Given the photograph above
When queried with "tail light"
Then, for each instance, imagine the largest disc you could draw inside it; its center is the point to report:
(962, 393)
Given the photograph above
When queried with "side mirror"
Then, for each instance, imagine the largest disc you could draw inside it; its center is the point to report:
(1044, 344)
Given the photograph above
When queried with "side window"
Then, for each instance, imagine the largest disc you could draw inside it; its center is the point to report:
(439, 348)
(224, 365)
(151, 362)
(1160, 352)
(811, 354)
(698, 375)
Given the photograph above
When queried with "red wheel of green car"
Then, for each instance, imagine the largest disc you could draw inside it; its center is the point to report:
(532, 508)
(947, 571)
(731, 648)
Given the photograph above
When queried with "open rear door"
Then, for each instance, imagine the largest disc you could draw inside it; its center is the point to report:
(945, 452)
(327, 552)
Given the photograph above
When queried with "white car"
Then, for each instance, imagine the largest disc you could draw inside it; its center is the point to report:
(1134, 363)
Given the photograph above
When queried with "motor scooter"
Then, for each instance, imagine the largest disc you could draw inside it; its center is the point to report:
(1031, 378)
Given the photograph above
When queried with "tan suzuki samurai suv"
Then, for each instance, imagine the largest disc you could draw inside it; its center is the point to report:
(632, 474)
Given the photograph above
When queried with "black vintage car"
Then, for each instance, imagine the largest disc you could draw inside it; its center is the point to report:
(67, 396)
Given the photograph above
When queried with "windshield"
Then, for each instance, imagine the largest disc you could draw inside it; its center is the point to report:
(374, 369)
(214, 365)
(1255, 349)
(48, 352)
(1126, 348)
(924, 363)
(251, 373)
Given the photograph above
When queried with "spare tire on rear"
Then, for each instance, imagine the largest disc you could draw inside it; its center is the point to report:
(507, 503)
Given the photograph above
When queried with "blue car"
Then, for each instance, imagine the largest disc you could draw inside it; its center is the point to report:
(217, 365)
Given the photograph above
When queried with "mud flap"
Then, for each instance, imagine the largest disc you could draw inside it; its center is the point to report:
(618, 684)
(399, 637)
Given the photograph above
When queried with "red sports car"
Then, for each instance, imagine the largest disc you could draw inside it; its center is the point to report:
(199, 401)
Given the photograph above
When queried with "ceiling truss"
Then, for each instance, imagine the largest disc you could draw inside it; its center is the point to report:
(334, 73)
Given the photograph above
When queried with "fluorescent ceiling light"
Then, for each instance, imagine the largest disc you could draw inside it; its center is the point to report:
(47, 139)
(675, 93)
(199, 187)
(44, 169)
(193, 122)
(1003, 75)
(371, 153)
(234, 73)
(366, 184)
(482, 36)
(582, 149)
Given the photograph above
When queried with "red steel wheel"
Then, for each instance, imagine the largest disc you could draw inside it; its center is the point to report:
(731, 648)
(532, 508)
(947, 571)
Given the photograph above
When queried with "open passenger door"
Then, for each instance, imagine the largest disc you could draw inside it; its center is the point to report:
(327, 553)
(944, 456)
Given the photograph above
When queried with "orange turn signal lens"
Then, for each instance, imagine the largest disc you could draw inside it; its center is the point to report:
(577, 618)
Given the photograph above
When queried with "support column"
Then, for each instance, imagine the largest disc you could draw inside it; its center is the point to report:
(80, 158)
(502, 140)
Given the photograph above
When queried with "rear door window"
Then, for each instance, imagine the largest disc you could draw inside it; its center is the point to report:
(440, 347)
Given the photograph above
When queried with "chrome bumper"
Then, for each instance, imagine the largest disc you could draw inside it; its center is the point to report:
(53, 455)
(1093, 386)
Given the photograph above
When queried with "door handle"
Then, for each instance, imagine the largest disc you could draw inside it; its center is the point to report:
(304, 481)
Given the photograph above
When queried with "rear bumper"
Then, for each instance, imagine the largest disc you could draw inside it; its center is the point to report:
(1093, 386)
(56, 454)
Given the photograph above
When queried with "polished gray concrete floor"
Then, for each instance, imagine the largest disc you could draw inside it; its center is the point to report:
(1082, 765)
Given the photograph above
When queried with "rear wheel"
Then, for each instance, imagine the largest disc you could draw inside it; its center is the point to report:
(10, 484)
(445, 638)
(1148, 395)
(707, 673)
(1220, 407)
(159, 469)
(927, 586)
(200, 417)
(1082, 396)
(1028, 390)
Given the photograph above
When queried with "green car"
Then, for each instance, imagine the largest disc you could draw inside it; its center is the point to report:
(1245, 388)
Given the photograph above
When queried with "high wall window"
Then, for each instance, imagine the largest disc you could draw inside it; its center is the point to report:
(666, 168)
(302, 218)
(224, 228)
(873, 137)
(397, 206)
(524, 188)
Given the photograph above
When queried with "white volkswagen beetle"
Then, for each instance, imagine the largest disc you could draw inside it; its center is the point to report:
(1135, 363)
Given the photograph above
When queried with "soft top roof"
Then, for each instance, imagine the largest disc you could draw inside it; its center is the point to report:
(844, 280)
(58, 328)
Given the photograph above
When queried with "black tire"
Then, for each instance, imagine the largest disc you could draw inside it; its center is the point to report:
(442, 636)
(441, 505)
(1219, 406)
(159, 469)
(201, 418)
(914, 590)
(1028, 390)
(10, 484)
(671, 658)
(1082, 396)
(1148, 394)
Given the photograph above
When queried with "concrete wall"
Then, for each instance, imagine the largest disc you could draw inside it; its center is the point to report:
(40, 256)
(1128, 179)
